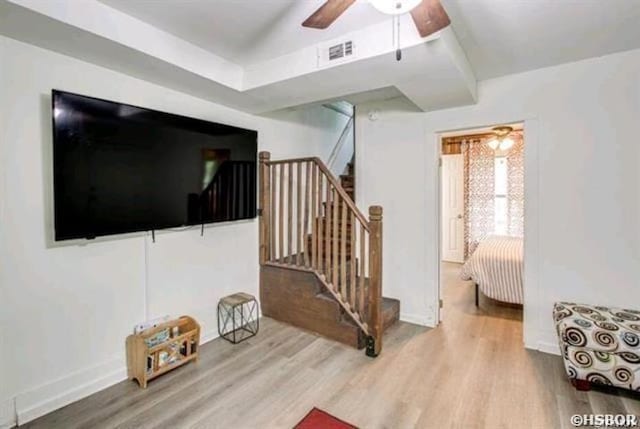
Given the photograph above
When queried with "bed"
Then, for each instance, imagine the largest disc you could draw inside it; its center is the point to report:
(496, 267)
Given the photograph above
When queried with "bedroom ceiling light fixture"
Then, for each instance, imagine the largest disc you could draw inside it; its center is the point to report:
(501, 140)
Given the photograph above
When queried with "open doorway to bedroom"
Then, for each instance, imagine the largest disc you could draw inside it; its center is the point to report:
(482, 224)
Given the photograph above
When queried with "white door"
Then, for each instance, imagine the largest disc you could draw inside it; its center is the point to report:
(452, 208)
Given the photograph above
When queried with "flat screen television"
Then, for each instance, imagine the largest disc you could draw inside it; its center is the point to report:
(119, 168)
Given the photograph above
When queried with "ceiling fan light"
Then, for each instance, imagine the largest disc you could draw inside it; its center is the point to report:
(395, 7)
(506, 143)
(493, 143)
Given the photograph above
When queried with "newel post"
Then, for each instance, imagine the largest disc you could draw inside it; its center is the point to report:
(264, 205)
(374, 342)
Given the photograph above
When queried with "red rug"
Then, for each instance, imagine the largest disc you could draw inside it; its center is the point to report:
(318, 419)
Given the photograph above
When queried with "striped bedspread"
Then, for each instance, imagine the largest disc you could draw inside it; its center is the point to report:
(497, 267)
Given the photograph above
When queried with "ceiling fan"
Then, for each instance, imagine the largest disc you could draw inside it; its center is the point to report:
(428, 15)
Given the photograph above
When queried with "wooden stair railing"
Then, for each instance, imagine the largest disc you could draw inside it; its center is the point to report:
(228, 195)
(309, 223)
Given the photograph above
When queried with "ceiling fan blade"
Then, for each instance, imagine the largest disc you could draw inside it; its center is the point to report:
(327, 13)
(430, 17)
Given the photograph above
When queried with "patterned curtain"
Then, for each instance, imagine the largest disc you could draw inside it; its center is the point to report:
(479, 190)
(479, 193)
(515, 187)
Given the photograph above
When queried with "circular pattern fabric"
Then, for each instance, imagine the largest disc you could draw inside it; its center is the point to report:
(582, 359)
(603, 356)
(583, 310)
(605, 339)
(598, 378)
(631, 339)
(575, 337)
(561, 312)
(630, 357)
(606, 325)
(583, 323)
(600, 344)
(627, 316)
(623, 374)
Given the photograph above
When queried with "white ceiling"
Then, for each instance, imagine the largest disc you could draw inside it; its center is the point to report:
(255, 56)
(434, 72)
(246, 31)
(508, 36)
(499, 36)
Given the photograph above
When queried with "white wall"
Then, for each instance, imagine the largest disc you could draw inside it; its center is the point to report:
(6, 403)
(344, 150)
(583, 234)
(390, 171)
(66, 310)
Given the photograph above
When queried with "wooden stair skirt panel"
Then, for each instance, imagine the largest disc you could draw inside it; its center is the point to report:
(298, 297)
(320, 257)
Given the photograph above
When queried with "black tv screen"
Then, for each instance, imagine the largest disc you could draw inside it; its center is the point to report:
(119, 168)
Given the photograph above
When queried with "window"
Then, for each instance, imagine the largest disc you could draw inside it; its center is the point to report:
(501, 176)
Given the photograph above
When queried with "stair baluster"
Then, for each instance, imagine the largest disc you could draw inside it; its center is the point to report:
(265, 209)
(307, 192)
(289, 256)
(375, 279)
(326, 234)
(299, 255)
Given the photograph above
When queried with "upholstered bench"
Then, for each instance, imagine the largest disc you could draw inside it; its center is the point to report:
(599, 345)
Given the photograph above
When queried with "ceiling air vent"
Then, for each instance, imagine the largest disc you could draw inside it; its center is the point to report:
(330, 53)
(348, 48)
(341, 50)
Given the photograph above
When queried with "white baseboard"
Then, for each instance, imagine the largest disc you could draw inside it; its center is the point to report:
(417, 319)
(208, 336)
(49, 397)
(7, 414)
(549, 347)
(46, 398)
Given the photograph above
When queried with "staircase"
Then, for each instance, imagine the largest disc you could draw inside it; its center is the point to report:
(321, 258)
(348, 181)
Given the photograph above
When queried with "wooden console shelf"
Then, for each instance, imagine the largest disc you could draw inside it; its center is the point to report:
(146, 361)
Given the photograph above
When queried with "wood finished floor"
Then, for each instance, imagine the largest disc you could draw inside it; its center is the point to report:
(471, 372)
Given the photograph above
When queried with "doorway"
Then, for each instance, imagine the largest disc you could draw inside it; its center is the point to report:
(481, 227)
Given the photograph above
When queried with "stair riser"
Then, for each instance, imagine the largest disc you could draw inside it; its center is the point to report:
(294, 297)
(299, 298)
